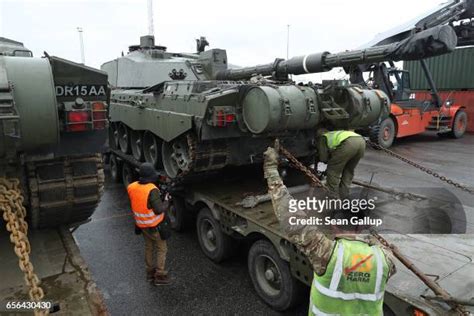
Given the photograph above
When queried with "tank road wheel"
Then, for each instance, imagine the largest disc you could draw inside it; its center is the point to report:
(113, 135)
(271, 276)
(136, 144)
(115, 168)
(151, 149)
(384, 134)
(178, 214)
(124, 138)
(128, 175)
(175, 156)
(459, 124)
(215, 244)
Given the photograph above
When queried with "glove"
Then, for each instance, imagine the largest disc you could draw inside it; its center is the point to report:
(270, 164)
(138, 230)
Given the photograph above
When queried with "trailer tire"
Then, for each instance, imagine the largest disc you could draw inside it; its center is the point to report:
(215, 244)
(178, 214)
(384, 133)
(115, 168)
(459, 124)
(128, 175)
(271, 277)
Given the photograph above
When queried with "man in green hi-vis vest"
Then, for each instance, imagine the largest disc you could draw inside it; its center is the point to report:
(350, 273)
(342, 151)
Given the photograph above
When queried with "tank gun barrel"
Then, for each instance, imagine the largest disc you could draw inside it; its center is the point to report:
(429, 43)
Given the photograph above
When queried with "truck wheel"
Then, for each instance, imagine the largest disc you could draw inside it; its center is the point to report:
(178, 215)
(127, 174)
(215, 244)
(115, 168)
(271, 277)
(383, 134)
(124, 138)
(459, 124)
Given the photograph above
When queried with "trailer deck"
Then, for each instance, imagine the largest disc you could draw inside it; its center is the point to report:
(448, 256)
(450, 246)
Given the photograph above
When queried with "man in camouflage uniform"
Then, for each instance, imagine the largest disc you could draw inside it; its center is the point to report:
(350, 274)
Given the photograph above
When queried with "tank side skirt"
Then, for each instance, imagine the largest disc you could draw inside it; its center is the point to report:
(164, 124)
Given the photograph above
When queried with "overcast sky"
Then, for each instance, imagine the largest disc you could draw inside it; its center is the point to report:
(252, 32)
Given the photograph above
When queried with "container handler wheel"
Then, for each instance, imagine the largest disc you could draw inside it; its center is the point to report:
(459, 124)
(178, 214)
(384, 133)
(215, 244)
(271, 277)
(124, 138)
(115, 168)
(128, 175)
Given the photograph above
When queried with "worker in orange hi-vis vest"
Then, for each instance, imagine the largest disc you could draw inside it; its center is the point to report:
(149, 213)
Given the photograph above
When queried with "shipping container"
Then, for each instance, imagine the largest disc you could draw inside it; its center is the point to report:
(454, 71)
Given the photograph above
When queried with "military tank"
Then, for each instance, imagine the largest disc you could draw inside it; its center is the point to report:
(199, 115)
(53, 129)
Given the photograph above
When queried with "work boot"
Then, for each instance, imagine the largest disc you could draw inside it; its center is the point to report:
(161, 279)
(150, 275)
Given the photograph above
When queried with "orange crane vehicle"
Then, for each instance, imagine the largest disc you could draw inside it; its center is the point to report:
(410, 116)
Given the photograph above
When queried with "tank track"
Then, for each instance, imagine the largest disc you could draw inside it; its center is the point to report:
(64, 191)
(207, 156)
(374, 134)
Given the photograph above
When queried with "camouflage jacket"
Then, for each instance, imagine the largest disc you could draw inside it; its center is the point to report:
(315, 245)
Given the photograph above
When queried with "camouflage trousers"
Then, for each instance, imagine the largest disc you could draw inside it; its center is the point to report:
(154, 242)
(342, 163)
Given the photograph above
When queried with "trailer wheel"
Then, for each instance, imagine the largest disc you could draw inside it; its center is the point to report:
(384, 133)
(128, 175)
(177, 214)
(271, 276)
(115, 168)
(215, 244)
(459, 124)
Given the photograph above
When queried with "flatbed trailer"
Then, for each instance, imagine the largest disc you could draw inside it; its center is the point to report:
(277, 269)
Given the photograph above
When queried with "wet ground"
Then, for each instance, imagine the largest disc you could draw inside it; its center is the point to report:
(115, 255)
(64, 276)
